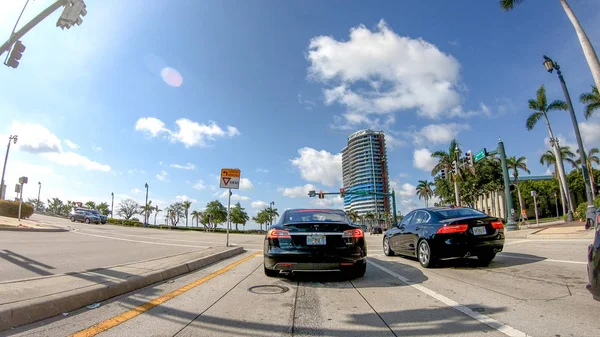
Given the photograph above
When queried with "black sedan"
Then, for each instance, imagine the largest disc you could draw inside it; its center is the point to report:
(315, 240)
(431, 234)
(594, 266)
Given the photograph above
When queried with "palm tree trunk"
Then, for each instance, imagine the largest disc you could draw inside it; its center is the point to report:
(592, 180)
(588, 50)
(520, 196)
(562, 193)
(236, 227)
(560, 168)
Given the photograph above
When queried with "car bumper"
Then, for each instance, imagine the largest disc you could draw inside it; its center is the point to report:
(294, 260)
(456, 248)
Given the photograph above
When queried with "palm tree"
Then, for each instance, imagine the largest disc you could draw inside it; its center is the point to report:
(186, 208)
(548, 159)
(149, 208)
(353, 215)
(271, 212)
(540, 109)
(425, 191)
(516, 164)
(195, 215)
(445, 160)
(156, 211)
(591, 101)
(591, 158)
(586, 45)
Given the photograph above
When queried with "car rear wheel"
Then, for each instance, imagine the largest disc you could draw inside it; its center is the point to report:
(486, 257)
(87, 220)
(271, 272)
(387, 250)
(72, 219)
(425, 255)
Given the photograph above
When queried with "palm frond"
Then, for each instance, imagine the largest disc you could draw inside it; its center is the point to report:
(591, 108)
(557, 105)
(548, 158)
(541, 98)
(533, 119)
(508, 5)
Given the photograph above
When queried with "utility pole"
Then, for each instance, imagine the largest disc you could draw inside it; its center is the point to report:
(271, 213)
(2, 187)
(39, 190)
(146, 208)
(228, 216)
(456, 168)
(112, 202)
(510, 218)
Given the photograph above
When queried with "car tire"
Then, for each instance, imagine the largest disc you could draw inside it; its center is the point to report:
(387, 250)
(425, 254)
(72, 219)
(485, 258)
(87, 220)
(359, 270)
(271, 272)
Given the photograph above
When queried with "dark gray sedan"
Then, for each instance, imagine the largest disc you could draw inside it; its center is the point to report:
(83, 216)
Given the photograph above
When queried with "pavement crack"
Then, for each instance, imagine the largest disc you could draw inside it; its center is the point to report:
(294, 309)
(375, 311)
(217, 301)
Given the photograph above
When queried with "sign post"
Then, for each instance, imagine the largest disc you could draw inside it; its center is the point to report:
(534, 195)
(230, 179)
(22, 181)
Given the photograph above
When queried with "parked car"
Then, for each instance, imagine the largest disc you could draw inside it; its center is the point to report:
(85, 216)
(315, 240)
(593, 266)
(431, 234)
(103, 218)
(376, 230)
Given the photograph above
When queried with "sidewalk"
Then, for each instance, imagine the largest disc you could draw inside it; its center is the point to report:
(553, 230)
(30, 300)
(27, 225)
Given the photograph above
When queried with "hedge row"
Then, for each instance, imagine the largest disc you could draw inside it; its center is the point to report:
(580, 212)
(11, 209)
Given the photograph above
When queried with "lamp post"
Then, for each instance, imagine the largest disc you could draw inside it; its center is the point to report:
(2, 188)
(456, 168)
(39, 190)
(112, 202)
(550, 65)
(146, 209)
(271, 213)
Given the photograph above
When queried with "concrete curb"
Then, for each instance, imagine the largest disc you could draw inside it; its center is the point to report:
(48, 306)
(39, 230)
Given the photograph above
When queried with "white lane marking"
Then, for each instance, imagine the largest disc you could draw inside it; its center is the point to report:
(505, 329)
(515, 242)
(539, 259)
(148, 242)
(545, 240)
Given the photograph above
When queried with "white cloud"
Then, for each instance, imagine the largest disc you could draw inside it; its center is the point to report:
(548, 172)
(189, 133)
(246, 184)
(333, 202)
(393, 72)
(135, 171)
(162, 175)
(298, 191)
(590, 133)
(319, 166)
(407, 190)
(259, 204)
(458, 111)
(136, 191)
(75, 159)
(563, 141)
(407, 205)
(454, 43)
(234, 196)
(35, 138)
(261, 170)
(199, 185)
(71, 145)
(96, 148)
(422, 160)
(188, 166)
(437, 133)
(185, 198)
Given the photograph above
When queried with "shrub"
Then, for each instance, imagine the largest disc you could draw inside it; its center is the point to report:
(113, 220)
(11, 209)
(132, 223)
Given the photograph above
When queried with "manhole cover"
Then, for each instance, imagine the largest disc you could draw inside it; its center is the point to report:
(268, 289)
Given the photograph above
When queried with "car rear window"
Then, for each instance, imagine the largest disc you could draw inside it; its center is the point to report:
(457, 213)
(315, 216)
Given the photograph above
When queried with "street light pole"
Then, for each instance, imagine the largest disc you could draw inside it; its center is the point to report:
(2, 187)
(511, 224)
(271, 213)
(39, 190)
(146, 209)
(112, 202)
(456, 168)
(591, 210)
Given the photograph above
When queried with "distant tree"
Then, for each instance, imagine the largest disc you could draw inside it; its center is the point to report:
(195, 215)
(146, 210)
(445, 159)
(549, 159)
(516, 164)
(103, 208)
(425, 191)
(272, 213)
(156, 211)
(205, 220)
(176, 212)
(353, 215)
(186, 208)
(261, 218)
(90, 204)
(55, 205)
(128, 208)
(38, 206)
(239, 215)
(217, 212)
(591, 100)
(590, 159)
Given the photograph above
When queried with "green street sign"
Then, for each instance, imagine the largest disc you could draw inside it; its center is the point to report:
(480, 155)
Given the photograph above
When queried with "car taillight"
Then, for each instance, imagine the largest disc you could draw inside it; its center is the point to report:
(354, 233)
(497, 224)
(449, 229)
(279, 234)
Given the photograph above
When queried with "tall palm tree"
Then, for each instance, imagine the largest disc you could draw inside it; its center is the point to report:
(186, 208)
(445, 160)
(149, 208)
(425, 191)
(548, 159)
(195, 215)
(591, 158)
(586, 45)
(271, 212)
(540, 108)
(516, 164)
(591, 101)
(156, 211)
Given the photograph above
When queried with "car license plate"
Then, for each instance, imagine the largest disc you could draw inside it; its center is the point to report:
(316, 240)
(479, 230)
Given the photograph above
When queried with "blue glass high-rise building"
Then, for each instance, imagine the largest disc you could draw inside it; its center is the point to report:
(364, 168)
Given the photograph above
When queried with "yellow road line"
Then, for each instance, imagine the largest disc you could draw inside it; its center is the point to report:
(112, 322)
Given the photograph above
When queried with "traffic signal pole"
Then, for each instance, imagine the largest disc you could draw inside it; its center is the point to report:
(27, 27)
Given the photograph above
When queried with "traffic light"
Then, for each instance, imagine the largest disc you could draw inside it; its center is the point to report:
(341, 192)
(443, 173)
(72, 14)
(312, 194)
(454, 168)
(15, 54)
(321, 195)
(470, 160)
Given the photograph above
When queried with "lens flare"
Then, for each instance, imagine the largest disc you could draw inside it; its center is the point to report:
(171, 77)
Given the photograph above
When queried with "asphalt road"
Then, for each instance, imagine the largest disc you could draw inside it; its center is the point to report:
(535, 287)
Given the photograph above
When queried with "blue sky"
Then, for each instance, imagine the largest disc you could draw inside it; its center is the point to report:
(148, 91)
